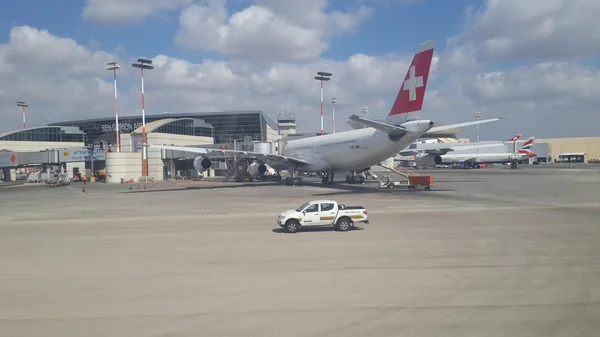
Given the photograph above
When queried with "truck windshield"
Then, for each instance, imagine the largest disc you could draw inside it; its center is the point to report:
(299, 209)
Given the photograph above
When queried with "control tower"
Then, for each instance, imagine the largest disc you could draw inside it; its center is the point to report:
(286, 124)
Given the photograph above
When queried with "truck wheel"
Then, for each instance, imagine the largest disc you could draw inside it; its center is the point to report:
(292, 226)
(344, 224)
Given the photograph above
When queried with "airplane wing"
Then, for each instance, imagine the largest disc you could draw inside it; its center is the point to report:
(455, 128)
(387, 128)
(443, 148)
(442, 131)
(208, 152)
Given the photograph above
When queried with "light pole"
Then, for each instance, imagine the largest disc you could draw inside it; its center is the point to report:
(24, 106)
(144, 64)
(114, 66)
(364, 111)
(477, 115)
(333, 101)
(323, 77)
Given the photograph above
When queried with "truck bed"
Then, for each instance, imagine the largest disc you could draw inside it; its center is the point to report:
(350, 207)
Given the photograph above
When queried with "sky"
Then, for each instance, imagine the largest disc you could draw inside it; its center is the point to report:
(537, 66)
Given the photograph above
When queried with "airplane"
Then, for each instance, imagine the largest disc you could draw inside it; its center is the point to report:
(475, 159)
(348, 151)
(429, 154)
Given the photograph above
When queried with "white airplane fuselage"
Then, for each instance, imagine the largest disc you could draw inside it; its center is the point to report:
(343, 151)
(483, 158)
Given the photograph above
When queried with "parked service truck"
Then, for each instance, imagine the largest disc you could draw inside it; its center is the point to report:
(318, 213)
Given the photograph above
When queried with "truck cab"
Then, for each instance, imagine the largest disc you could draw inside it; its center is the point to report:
(317, 213)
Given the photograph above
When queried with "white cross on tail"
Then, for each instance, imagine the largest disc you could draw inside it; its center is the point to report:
(412, 83)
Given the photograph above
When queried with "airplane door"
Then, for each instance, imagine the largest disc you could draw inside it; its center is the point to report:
(327, 214)
(311, 216)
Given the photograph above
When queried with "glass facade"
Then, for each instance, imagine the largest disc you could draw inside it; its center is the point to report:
(46, 134)
(223, 126)
(178, 127)
(239, 127)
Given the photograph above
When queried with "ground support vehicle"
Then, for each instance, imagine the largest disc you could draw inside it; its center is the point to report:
(319, 213)
(413, 180)
(59, 180)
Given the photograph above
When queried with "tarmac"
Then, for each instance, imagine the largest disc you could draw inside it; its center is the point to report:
(488, 252)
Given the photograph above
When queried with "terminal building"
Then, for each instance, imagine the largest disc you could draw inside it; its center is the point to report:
(92, 142)
(14, 144)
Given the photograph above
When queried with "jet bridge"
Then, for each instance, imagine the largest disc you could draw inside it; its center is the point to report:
(10, 160)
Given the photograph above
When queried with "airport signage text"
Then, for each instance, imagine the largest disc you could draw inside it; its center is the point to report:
(83, 155)
(122, 127)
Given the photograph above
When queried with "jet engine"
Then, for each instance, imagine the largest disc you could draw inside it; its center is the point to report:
(428, 160)
(201, 164)
(256, 169)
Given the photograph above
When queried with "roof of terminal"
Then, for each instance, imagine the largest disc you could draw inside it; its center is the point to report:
(69, 129)
(269, 121)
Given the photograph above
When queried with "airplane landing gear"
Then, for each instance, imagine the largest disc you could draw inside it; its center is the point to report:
(291, 181)
(355, 179)
(327, 179)
(513, 165)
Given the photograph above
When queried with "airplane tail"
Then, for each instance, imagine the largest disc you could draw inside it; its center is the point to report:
(527, 147)
(412, 92)
(515, 138)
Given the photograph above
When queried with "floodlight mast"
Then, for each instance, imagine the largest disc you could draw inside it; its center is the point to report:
(323, 77)
(144, 64)
(114, 66)
(333, 101)
(24, 106)
(478, 115)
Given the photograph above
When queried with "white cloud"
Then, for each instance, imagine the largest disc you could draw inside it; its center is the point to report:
(62, 80)
(270, 31)
(544, 100)
(123, 11)
(526, 30)
(551, 93)
(54, 75)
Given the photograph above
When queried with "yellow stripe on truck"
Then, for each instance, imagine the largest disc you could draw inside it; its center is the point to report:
(356, 217)
(324, 218)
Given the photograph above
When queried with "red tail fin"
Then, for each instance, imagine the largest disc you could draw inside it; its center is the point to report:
(412, 92)
(515, 138)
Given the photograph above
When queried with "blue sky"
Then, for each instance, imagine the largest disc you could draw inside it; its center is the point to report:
(393, 27)
(530, 63)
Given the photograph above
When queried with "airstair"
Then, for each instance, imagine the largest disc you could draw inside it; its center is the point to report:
(232, 168)
(413, 179)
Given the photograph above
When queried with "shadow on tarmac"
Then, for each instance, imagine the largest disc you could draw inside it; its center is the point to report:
(339, 188)
(316, 230)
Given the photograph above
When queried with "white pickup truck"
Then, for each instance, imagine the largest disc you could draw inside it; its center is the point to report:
(322, 213)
